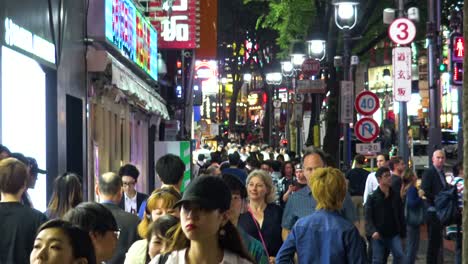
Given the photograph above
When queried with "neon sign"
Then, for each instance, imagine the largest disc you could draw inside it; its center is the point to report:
(178, 31)
(132, 35)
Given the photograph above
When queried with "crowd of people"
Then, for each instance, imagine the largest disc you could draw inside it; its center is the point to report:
(244, 204)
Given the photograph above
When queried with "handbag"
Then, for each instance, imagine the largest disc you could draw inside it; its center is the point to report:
(415, 216)
(259, 232)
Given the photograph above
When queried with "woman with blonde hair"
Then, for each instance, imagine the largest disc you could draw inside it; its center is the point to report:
(262, 220)
(67, 195)
(205, 234)
(325, 236)
(160, 203)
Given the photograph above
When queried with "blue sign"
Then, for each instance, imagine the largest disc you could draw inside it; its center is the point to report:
(132, 35)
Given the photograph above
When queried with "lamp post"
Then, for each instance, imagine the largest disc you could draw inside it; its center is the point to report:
(297, 58)
(273, 77)
(346, 19)
(287, 69)
(316, 49)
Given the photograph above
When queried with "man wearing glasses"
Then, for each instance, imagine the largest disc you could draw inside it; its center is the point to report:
(131, 200)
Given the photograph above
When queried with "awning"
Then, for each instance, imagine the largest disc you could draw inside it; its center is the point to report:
(128, 82)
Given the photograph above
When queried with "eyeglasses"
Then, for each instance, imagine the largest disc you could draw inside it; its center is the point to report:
(128, 183)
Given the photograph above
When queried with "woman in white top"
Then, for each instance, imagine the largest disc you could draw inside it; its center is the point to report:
(205, 234)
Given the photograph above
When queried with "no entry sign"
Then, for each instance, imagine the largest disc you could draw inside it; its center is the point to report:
(366, 129)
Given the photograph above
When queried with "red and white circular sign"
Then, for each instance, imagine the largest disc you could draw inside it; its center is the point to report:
(367, 103)
(366, 129)
(402, 31)
(310, 67)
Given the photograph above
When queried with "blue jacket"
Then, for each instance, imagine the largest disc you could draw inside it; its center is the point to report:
(323, 237)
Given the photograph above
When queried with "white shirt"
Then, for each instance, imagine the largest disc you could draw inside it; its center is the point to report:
(131, 204)
(178, 257)
(371, 185)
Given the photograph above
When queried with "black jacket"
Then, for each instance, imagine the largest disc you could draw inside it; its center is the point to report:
(140, 198)
(431, 184)
(375, 213)
(128, 224)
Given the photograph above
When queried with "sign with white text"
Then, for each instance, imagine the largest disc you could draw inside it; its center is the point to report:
(178, 29)
(401, 57)
(346, 101)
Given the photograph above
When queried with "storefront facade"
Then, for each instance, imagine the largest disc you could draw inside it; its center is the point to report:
(125, 109)
(42, 87)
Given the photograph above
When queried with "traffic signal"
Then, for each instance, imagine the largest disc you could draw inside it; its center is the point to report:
(458, 47)
(457, 73)
(457, 44)
(443, 67)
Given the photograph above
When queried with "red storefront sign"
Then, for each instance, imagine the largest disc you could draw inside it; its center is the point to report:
(179, 30)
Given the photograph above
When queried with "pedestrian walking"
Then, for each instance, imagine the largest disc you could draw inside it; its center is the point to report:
(325, 236)
(385, 220)
(205, 235)
(414, 213)
(433, 182)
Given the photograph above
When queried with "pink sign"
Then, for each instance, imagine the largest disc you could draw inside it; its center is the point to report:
(177, 30)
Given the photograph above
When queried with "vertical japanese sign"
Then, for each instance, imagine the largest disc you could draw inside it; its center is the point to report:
(402, 74)
(347, 101)
(178, 30)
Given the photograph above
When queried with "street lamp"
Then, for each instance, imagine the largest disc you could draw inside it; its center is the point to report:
(287, 69)
(316, 49)
(345, 13)
(298, 54)
(273, 77)
(346, 19)
(316, 45)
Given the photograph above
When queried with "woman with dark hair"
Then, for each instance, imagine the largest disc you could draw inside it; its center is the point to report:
(159, 234)
(67, 194)
(205, 235)
(413, 201)
(59, 241)
(286, 184)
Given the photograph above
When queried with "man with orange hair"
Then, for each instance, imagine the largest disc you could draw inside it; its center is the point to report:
(325, 235)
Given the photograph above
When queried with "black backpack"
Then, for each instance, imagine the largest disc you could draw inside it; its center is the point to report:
(446, 205)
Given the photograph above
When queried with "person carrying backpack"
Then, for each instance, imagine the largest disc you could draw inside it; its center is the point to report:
(433, 182)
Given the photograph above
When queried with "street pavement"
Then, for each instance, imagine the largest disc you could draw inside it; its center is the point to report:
(449, 249)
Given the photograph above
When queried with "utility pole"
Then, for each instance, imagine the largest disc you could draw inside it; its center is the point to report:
(346, 77)
(403, 120)
(433, 27)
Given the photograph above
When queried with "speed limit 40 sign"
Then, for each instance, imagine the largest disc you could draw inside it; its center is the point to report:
(366, 103)
(402, 31)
